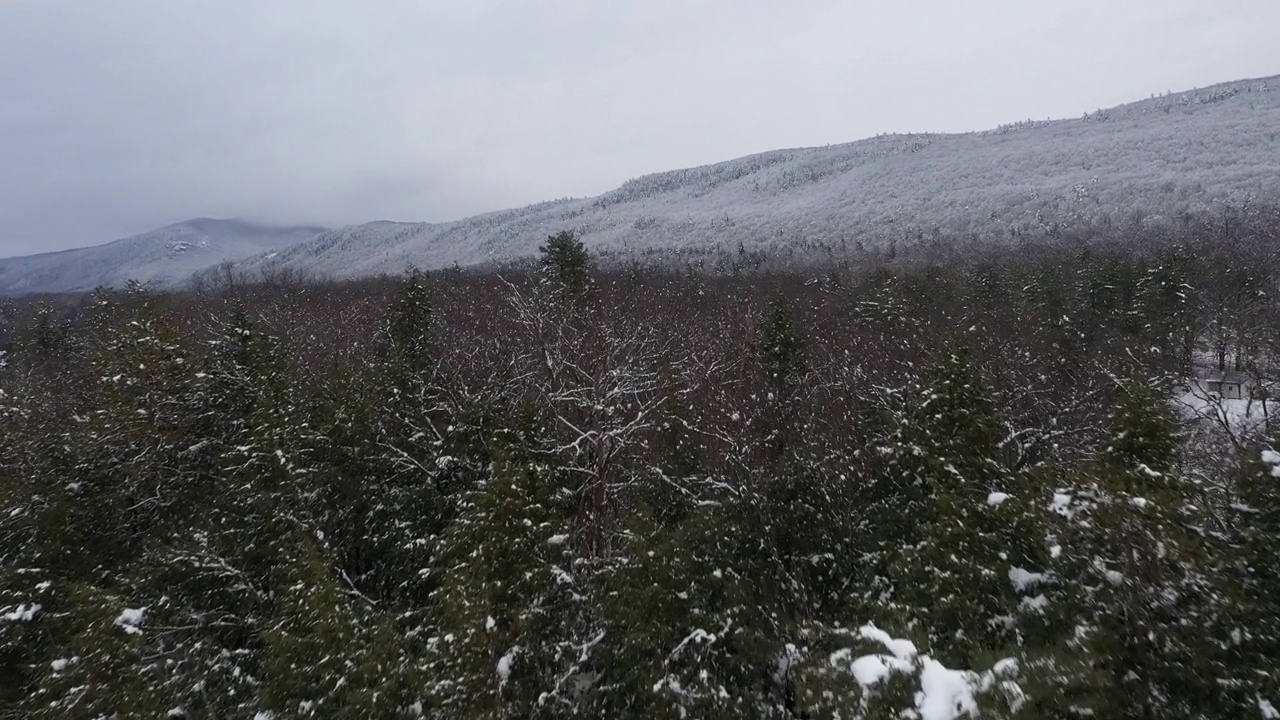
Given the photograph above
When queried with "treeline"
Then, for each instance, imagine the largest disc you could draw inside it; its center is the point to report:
(561, 491)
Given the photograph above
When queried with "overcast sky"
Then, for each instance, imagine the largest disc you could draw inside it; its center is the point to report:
(118, 117)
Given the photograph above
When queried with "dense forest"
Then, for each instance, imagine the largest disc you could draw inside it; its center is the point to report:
(931, 485)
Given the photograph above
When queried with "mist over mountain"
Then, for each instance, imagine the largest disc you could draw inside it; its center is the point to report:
(163, 258)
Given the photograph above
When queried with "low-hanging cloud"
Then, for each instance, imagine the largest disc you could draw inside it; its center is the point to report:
(119, 117)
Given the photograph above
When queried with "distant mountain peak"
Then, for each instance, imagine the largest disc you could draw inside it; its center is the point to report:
(163, 257)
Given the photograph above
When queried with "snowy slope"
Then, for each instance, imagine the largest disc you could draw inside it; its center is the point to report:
(1164, 156)
(163, 257)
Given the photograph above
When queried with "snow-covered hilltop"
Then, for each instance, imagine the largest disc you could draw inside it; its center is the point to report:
(1167, 155)
(164, 257)
(1188, 152)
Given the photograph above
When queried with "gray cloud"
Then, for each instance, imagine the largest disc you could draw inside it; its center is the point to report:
(117, 117)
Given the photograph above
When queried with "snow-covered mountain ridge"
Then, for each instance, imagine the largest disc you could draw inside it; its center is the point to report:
(1178, 153)
(164, 258)
(1165, 156)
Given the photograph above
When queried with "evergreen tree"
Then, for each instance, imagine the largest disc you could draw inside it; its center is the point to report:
(510, 597)
(329, 653)
(1253, 566)
(566, 262)
(783, 349)
(689, 621)
(1143, 607)
(972, 557)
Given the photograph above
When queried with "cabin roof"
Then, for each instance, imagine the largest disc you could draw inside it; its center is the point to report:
(1227, 376)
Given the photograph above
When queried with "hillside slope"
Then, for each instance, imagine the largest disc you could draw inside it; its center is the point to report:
(1167, 155)
(164, 257)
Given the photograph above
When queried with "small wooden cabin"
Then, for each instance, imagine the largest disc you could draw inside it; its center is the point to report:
(1227, 385)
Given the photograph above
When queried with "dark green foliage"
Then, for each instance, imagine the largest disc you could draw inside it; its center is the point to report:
(1143, 432)
(371, 676)
(510, 596)
(565, 262)
(1135, 569)
(690, 622)
(407, 334)
(1253, 626)
(782, 348)
(954, 574)
(569, 492)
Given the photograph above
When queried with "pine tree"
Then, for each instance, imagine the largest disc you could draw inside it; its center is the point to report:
(1252, 565)
(406, 338)
(329, 653)
(566, 262)
(689, 620)
(971, 553)
(1135, 577)
(783, 349)
(510, 596)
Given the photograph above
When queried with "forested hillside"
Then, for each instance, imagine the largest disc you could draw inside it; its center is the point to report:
(163, 258)
(1158, 160)
(933, 485)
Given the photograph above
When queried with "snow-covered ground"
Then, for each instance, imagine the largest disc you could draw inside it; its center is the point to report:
(1240, 419)
(943, 693)
(1240, 414)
